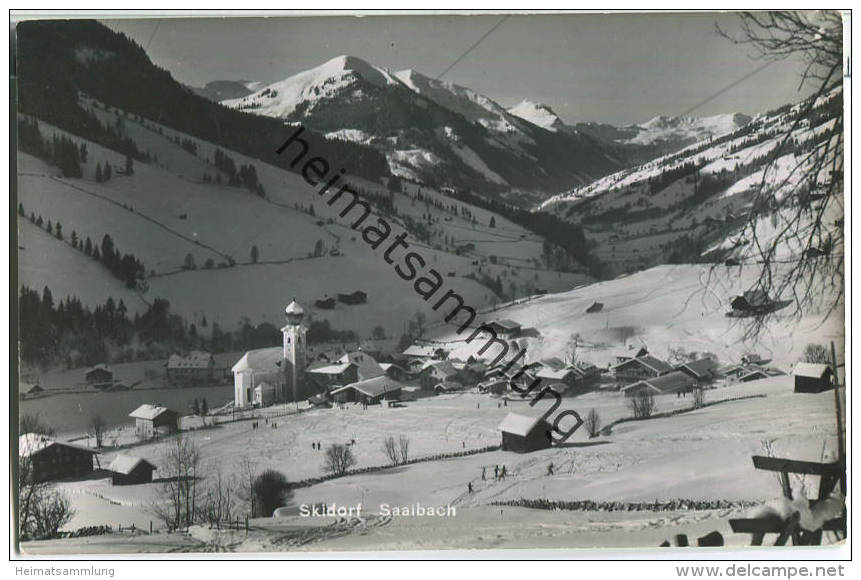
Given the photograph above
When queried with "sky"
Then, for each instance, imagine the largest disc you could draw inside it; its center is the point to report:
(616, 68)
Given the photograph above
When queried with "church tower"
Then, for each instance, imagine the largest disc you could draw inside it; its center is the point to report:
(294, 352)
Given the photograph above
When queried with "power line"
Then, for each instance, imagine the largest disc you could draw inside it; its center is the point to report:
(475, 44)
(151, 36)
(733, 84)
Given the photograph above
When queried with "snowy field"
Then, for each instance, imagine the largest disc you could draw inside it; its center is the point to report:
(703, 454)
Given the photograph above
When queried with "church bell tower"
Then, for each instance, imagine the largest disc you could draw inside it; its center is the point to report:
(294, 352)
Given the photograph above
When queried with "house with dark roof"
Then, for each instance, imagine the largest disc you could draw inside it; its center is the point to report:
(129, 470)
(641, 367)
(505, 328)
(51, 459)
(99, 376)
(524, 433)
(674, 382)
(704, 370)
(812, 378)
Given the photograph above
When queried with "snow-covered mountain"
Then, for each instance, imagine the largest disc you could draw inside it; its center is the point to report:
(538, 114)
(432, 131)
(677, 206)
(684, 130)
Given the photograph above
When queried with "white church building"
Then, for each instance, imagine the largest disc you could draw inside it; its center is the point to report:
(275, 374)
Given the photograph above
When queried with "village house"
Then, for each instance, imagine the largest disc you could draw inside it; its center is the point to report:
(128, 470)
(812, 377)
(753, 374)
(154, 420)
(754, 359)
(99, 376)
(523, 433)
(627, 354)
(703, 371)
(197, 368)
(505, 328)
(674, 382)
(370, 392)
(51, 459)
(641, 367)
(421, 352)
(438, 372)
(350, 368)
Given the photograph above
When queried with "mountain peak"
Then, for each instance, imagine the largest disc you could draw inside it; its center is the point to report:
(538, 114)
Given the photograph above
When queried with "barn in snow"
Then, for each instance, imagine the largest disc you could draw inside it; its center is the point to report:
(812, 378)
(51, 459)
(128, 470)
(522, 433)
(370, 391)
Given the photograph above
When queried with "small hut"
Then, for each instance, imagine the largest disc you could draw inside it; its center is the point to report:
(523, 434)
(128, 470)
(264, 394)
(812, 378)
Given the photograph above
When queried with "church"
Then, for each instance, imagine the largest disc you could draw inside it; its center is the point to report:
(275, 374)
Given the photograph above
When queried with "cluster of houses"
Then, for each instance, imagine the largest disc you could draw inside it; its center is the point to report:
(50, 460)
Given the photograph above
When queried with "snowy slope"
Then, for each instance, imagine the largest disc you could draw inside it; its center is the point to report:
(538, 114)
(685, 129)
(700, 194)
(281, 98)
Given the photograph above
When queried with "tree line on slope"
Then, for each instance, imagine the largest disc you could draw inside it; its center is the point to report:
(69, 333)
(125, 267)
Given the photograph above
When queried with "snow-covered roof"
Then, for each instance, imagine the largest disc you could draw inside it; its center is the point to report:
(195, 360)
(31, 443)
(264, 387)
(506, 323)
(372, 387)
(669, 383)
(518, 424)
(555, 374)
(149, 412)
(125, 464)
(260, 360)
(421, 350)
(367, 365)
(334, 369)
(810, 370)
